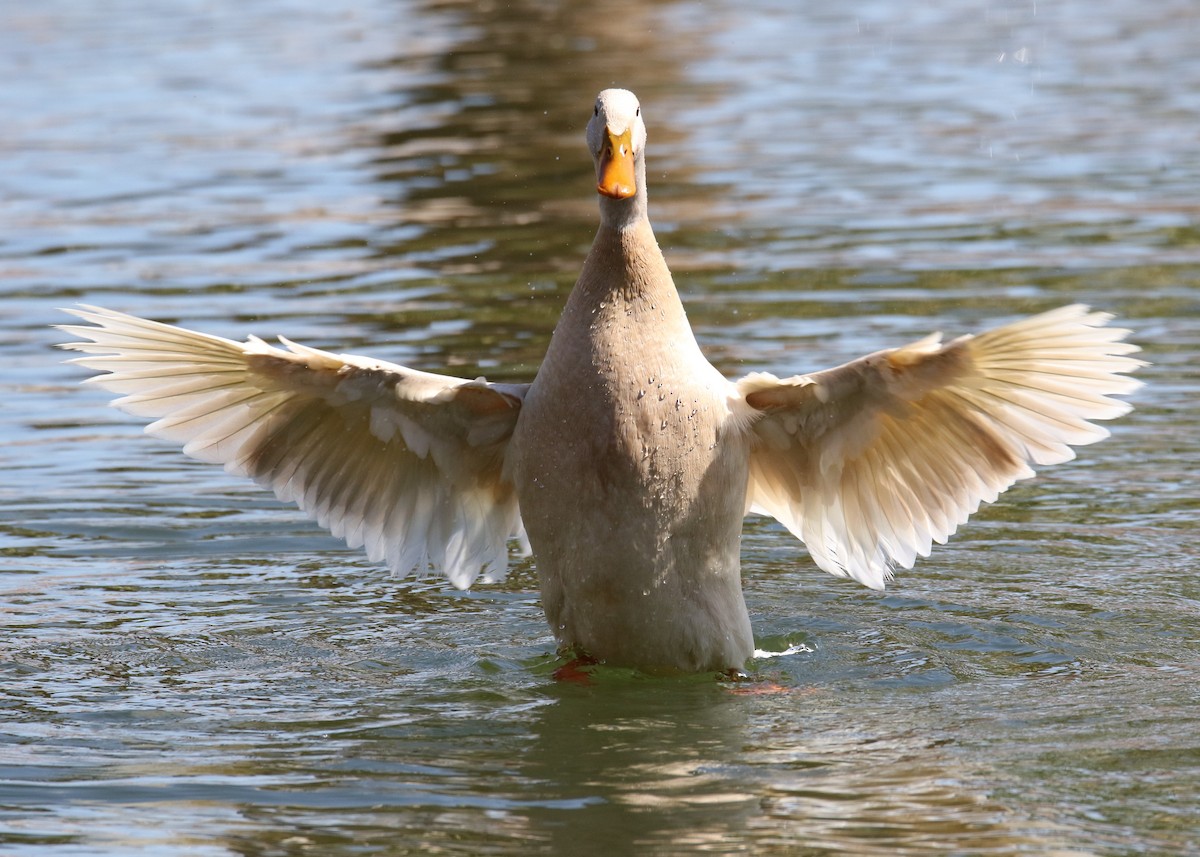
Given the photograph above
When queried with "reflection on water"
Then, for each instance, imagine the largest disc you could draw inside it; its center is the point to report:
(409, 180)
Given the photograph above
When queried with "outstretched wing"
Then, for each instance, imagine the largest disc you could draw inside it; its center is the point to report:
(404, 463)
(872, 462)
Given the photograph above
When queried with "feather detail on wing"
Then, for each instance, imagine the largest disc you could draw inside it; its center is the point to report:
(404, 463)
(872, 462)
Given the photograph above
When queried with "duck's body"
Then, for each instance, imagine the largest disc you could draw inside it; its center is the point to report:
(631, 487)
(629, 461)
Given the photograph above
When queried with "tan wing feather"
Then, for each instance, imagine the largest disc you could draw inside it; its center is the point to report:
(874, 461)
(404, 463)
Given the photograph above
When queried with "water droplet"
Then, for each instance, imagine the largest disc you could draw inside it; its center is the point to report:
(664, 424)
(641, 393)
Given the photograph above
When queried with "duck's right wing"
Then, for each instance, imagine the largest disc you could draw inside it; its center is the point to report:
(404, 463)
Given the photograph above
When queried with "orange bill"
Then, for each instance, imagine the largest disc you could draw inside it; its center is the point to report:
(617, 179)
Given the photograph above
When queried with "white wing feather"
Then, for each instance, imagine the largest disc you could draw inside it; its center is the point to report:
(404, 463)
(872, 462)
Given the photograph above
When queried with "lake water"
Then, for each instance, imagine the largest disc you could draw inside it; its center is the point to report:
(190, 668)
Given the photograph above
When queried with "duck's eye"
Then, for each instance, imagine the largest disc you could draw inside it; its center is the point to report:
(596, 110)
(638, 112)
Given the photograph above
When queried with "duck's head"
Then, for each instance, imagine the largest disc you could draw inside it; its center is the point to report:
(616, 137)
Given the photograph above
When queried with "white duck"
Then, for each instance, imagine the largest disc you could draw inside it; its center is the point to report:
(629, 461)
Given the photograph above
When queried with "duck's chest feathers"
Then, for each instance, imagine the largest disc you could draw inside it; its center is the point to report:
(657, 395)
(625, 399)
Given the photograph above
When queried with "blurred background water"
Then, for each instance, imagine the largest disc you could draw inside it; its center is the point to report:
(190, 668)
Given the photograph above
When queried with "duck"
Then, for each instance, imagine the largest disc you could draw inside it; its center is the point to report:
(629, 463)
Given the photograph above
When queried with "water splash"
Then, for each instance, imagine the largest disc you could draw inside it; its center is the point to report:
(793, 649)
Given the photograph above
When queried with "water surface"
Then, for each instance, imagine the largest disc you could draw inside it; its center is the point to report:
(190, 668)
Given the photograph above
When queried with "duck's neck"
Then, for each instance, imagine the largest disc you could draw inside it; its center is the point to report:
(625, 265)
(624, 312)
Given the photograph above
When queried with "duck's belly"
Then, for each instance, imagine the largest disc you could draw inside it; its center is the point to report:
(634, 506)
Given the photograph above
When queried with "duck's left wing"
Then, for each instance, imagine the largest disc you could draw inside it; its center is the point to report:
(872, 462)
(407, 464)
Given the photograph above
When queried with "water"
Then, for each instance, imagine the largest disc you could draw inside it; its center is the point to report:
(191, 669)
